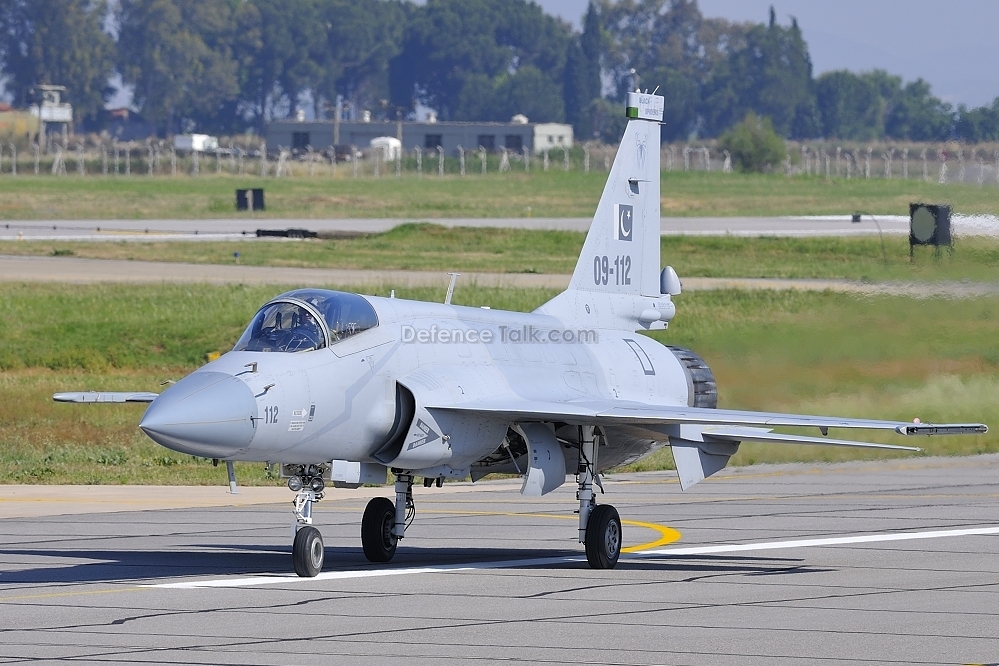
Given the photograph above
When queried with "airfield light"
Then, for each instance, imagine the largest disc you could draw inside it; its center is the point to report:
(294, 484)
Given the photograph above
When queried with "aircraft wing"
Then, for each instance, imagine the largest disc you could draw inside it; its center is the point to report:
(105, 396)
(612, 413)
(702, 439)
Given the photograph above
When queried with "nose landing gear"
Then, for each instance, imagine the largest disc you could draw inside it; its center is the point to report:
(308, 551)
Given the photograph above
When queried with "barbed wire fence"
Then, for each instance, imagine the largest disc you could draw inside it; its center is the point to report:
(950, 163)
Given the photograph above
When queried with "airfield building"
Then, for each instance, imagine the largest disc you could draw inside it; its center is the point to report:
(514, 136)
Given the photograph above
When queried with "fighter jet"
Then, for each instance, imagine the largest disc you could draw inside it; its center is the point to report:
(342, 388)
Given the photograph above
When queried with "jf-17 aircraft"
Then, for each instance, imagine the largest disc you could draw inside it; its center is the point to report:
(341, 388)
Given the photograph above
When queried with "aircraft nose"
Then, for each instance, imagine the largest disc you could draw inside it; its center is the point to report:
(205, 414)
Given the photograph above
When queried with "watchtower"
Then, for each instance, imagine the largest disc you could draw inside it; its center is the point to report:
(51, 110)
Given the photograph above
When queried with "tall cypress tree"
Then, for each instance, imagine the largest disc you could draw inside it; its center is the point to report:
(575, 91)
(591, 45)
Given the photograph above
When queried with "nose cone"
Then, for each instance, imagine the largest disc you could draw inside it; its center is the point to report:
(205, 414)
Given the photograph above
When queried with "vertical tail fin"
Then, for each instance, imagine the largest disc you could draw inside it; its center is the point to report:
(621, 252)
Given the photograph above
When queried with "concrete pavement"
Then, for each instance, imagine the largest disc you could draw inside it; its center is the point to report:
(899, 564)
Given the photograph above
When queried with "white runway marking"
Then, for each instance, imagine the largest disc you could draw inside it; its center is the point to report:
(509, 564)
(368, 573)
(831, 541)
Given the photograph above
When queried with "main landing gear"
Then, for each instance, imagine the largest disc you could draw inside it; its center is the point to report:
(599, 525)
(307, 550)
(384, 523)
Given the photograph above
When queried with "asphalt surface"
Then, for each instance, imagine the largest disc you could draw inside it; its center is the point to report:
(245, 228)
(908, 573)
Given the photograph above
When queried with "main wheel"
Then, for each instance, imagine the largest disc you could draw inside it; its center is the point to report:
(603, 537)
(308, 552)
(377, 523)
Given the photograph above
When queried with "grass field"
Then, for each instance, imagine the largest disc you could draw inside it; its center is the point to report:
(788, 351)
(436, 248)
(541, 194)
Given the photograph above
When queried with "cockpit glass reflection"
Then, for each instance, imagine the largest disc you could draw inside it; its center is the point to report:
(282, 327)
(288, 327)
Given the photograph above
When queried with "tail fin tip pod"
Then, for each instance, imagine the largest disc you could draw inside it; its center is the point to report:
(621, 251)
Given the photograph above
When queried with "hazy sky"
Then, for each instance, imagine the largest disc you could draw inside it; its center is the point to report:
(951, 44)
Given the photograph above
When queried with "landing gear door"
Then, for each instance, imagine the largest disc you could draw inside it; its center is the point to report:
(546, 470)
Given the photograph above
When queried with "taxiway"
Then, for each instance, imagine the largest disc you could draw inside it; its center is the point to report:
(873, 562)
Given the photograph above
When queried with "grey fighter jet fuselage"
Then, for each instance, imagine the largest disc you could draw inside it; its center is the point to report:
(337, 387)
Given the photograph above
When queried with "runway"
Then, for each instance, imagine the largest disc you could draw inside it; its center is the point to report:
(245, 228)
(875, 562)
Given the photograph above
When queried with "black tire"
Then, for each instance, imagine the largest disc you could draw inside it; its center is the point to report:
(377, 522)
(603, 537)
(308, 552)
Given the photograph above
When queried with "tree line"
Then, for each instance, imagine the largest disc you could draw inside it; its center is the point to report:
(225, 66)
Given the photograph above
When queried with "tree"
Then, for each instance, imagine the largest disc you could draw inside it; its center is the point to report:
(575, 87)
(591, 42)
(531, 92)
(978, 124)
(527, 91)
(285, 64)
(361, 38)
(770, 75)
(917, 115)
(609, 120)
(851, 106)
(59, 42)
(581, 83)
(178, 55)
(669, 45)
(448, 41)
(754, 144)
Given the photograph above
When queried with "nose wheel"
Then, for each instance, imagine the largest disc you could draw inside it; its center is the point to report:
(308, 552)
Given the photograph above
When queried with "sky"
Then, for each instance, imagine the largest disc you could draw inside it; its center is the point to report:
(951, 44)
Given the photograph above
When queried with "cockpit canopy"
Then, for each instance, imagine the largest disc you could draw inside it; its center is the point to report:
(307, 319)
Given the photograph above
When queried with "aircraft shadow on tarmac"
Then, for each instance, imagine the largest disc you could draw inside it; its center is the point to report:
(109, 566)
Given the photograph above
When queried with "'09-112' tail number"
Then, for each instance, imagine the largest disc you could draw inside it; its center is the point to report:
(616, 271)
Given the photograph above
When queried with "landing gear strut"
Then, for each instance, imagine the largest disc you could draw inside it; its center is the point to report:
(599, 525)
(384, 523)
(307, 549)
